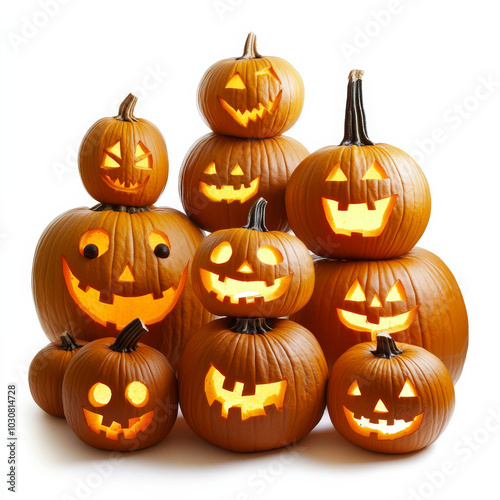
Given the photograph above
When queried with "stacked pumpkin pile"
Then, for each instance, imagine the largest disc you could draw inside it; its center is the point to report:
(362, 207)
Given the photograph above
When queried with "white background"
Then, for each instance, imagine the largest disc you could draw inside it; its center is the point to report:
(432, 86)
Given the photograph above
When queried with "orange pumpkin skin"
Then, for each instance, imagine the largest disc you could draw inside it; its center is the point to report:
(96, 424)
(251, 96)
(123, 160)
(226, 287)
(215, 198)
(380, 397)
(429, 296)
(46, 372)
(96, 297)
(358, 200)
(286, 353)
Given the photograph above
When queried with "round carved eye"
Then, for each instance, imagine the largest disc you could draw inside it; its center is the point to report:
(221, 253)
(159, 243)
(137, 394)
(269, 255)
(94, 243)
(162, 251)
(99, 395)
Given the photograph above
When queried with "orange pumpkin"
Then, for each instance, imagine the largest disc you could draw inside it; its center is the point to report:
(119, 394)
(94, 271)
(253, 272)
(359, 200)
(221, 177)
(247, 388)
(252, 95)
(390, 397)
(123, 160)
(415, 298)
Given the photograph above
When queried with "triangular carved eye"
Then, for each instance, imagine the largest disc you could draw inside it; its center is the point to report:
(375, 172)
(336, 174)
(396, 293)
(115, 149)
(110, 162)
(210, 169)
(235, 82)
(356, 292)
(408, 390)
(354, 389)
(237, 170)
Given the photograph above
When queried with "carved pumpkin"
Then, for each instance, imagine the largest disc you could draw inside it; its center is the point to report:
(120, 395)
(252, 95)
(46, 372)
(359, 200)
(415, 298)
(252, 272)
(123, 160)
(390, 397)
(94, 271)
(248, 386)
(221, 177)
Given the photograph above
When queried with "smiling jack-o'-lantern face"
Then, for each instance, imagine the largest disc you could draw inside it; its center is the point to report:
(251, 96)
(221, 177)
(96, 271)
(252, 272)
(123, 160)
(390, 397)
(120, 395)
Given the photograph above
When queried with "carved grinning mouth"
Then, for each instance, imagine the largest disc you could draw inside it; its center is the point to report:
(122, 310)
(126, 186)
(230, 193)
(246, 292)
(135, 425)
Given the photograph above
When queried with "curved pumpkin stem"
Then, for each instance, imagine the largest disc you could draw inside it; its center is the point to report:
(126, 110)
(386, 347)
(127, 339)
(257, 216)
(355, 121)
(251, 326)
(250, 50)
(101, 207)
(68, 342)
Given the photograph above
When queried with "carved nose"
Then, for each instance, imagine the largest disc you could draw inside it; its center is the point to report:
(380, 407)
(245, 268)
(127, 275)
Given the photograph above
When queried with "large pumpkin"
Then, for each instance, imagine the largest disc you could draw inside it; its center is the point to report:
(358, 200)
(221, 177)
(415, 298)
(246, 389)
(390, 397)
(94, 271)
(119, 394)
(123, 160)
(252, 95)
(253, 272)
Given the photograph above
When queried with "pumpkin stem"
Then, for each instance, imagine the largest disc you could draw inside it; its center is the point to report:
(126, 109)
(68, 342)
(257, 216)
(251, 326)
(250, 50)
(101, 207)
(386, 347)
(127, 339)
(355, 121)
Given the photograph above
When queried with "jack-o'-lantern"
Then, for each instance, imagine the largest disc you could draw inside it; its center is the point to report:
(96, 270)
(119, 394)
(390, 397)
(415, 298)
(252, 95)
(123, 160)
(252, 272)
(46, 372)
(247, 385)
(359, 200)
(221, 177)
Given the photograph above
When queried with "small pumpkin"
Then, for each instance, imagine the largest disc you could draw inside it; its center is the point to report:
(119, 394)
(221, 177)
(252, 95)
(95, 270)
(123, 160)
(390, 397)
(358, 200)
(46, 372)
(252, 272)
(246, 385)
(415, 298)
